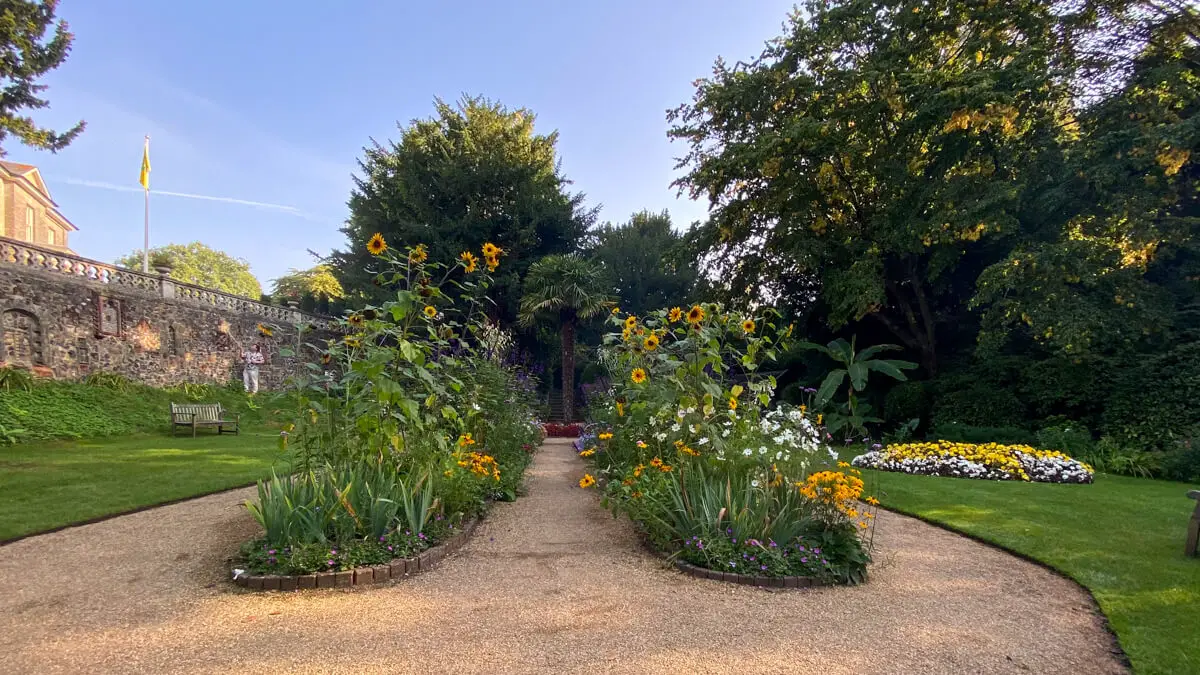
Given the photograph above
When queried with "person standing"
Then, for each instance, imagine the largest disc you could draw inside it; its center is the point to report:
(251, 359)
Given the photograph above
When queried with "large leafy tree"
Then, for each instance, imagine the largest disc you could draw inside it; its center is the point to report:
(566, 289)
(644, 262)
(879, 153)
(25, 56)
(198, 264)
(313, 288)
(475, 172)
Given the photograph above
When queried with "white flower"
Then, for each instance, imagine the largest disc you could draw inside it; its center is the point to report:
(725, 433)
(681, 413)
(754, 483)
(778, 455)
(692, 428)
(675, 427)
(691, 410)
(747, 452)
(703, 441)
(661, 436)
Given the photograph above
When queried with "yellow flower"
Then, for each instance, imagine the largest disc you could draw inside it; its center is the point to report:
(687, 450)
(419, 254)
(430, 311)
(465, 440)
(265, 331)
(630, 322)
(820, 418)
(588, 453)
(469, 261)
(665, 468)
(352, 340)
(587, 481)
(843, 465)
(651, 343)
(376, 245)
(637, 470)
(733, 404)
(748, 326)
(638, 376)
(641, 444)
(616, 311)
(492, 262)
(695, 314)
(491, 250)
(626, 334)
(675, 314)
(872, 501)
(656, 462)
(605, 436)
(356, 320)
(620, 409)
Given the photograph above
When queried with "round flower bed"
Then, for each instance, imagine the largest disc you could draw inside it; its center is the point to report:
(987, 461)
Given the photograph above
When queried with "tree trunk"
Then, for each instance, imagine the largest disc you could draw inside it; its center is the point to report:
(568, 365)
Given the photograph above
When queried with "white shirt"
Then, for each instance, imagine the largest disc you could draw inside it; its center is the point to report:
(253, 358)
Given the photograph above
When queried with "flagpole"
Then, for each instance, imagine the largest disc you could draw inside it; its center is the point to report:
(146, 241)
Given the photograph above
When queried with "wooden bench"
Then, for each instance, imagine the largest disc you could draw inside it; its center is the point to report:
(196, 415)
(1193, 536)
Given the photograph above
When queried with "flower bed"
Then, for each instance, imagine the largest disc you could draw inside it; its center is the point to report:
(556, 430)
(986, 461)
(731, 488)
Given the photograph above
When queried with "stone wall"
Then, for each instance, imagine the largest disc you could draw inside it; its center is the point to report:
(64, 317)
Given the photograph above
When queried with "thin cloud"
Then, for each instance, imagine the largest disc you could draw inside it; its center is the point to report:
(188, 195)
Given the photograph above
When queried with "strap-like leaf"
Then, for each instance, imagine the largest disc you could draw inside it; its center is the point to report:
(832, 381)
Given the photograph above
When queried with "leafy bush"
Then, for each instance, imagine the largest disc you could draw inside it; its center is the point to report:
(1153, 403)
(15, 378)
(1067, 438)
(978, 404)
(908, 400)
(964, 433)
(1110, 455)
(1183, 462)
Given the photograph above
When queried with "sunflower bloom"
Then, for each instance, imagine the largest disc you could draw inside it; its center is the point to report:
(376, 245)
(352, 340)
(470, 262)
(651, 343)
(265, 331)
(748, 326)
(491, 250)
(616, 311)
(695, 314)
(355, 320)
(733, 404)
(492, 262)
(638, 376)
(587, 481)
(430, 311)
(418, 255)
(630, 322)
(675, 314)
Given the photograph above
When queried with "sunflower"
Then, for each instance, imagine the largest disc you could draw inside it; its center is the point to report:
(631, 322)
(469, 261)
(492, 262)
(355, 320)
(695, 314)
(418, 255)
(587, 481)
(638, 376)
(376, 245)
(626, 334)
(491, 250)
(675, 314)
(651, 343)
(733, 404)
(616, 311)
(430, 311)
(264, 331)
(326, 359)
(748, 326)
(352, 340)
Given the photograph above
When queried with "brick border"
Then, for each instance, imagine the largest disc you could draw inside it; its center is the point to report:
(362, 576)
(748, 579)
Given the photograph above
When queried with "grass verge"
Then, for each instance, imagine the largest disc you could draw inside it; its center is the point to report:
(1121, 538)
(47, 485)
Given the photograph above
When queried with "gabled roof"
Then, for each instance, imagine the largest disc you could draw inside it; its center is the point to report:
(30, 174)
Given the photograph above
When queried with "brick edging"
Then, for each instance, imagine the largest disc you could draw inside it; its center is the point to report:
(362, 576)
(748, 579)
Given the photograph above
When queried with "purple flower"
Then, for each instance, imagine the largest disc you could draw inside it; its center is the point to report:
(772, 543)
(804, 559)
(389, 548)
(764, 567)
(700, 545)
(329, 562)
(817, 551)
(271, 552)
(382, 538)
(732, 564)
(799, 547)
(333, 551)
(420, 535)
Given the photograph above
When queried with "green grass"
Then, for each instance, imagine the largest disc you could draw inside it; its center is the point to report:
(50, 484)
(1122, 538)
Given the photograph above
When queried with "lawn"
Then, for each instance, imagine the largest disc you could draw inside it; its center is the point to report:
(45, 485)
(1122, 538)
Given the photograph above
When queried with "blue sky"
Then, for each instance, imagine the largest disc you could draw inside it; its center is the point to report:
(270, 103)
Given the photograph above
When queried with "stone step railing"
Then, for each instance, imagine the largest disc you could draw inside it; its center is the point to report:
(24, 254)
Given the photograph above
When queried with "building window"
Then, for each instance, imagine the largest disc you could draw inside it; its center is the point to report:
(22, 338)
(50, 238)
(29, 224)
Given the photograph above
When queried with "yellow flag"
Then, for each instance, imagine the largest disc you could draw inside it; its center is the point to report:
(144, 178)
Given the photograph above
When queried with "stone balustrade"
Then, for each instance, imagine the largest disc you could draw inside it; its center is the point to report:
(23, 254)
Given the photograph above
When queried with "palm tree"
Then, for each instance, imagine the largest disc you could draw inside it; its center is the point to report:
(568, 288)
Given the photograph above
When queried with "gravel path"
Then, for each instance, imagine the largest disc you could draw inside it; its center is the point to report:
(549, 583)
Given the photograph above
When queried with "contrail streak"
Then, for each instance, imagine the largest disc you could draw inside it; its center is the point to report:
(187, 195)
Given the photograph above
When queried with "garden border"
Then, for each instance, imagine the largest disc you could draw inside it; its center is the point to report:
(749, 579)
(361, 576)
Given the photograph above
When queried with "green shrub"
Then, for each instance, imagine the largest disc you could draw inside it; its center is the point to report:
(1183, 462)
(907, 400)
(1154, 400)
(965, 433)
(1109, 455)
(1073, 439)
(979, 404)
(15, 378)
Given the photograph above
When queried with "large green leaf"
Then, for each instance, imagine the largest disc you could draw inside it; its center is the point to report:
(891, 368)
(858, 376)
(832, 381)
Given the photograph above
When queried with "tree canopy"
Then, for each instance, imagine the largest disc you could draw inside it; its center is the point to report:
(475, 172)
(25, 56)
(644, 262)
(198, 264)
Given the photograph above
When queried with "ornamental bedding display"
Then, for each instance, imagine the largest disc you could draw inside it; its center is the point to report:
(988, 461)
